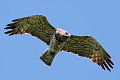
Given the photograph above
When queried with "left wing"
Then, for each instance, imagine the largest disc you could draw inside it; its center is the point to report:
(88, 47)
(36, 25)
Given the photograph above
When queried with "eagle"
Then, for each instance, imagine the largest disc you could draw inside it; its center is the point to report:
(60, 40)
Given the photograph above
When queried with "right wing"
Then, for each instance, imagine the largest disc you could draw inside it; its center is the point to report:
(87, 46)
(36, 25)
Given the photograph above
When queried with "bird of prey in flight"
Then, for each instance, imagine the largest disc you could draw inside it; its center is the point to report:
(60, 40)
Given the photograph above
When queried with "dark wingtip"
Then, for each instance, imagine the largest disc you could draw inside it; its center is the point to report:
(9, 24)
(11, 34)
(103, 67)
(109, 70)
(6, 28)
(15, 20)
(7, 32)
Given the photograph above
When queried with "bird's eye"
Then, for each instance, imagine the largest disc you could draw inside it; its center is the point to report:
(66, 33)
(57, 34)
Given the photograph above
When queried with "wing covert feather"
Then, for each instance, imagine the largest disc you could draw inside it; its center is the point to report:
(36, 25)
(88, 47)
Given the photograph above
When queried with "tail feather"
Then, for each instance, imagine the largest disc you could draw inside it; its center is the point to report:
(47, 58)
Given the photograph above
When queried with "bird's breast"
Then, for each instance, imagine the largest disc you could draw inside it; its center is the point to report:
(56, 45)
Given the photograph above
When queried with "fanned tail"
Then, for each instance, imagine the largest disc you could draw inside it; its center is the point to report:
(47, 58)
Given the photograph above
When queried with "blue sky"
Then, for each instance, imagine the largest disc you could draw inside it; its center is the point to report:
(19, 54)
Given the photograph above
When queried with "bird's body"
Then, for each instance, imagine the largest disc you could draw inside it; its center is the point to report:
(55, 46)
(60, 40)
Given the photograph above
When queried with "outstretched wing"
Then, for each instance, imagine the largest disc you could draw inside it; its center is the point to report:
(88, 47)
(36, 25)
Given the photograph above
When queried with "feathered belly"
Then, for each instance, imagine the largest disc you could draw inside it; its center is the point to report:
(56, 46)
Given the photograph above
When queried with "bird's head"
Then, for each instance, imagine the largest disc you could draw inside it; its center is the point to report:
(62, 35)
